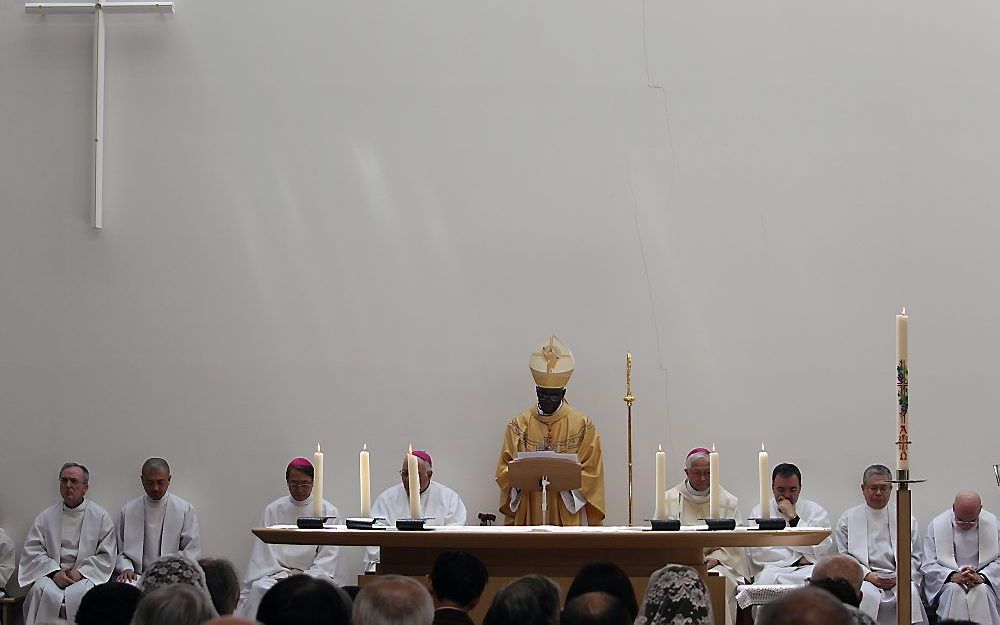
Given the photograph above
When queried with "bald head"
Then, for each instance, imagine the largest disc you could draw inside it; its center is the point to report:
(393, 600)
(805, 606)
(594, 608)
(839, 566)
(967, 506)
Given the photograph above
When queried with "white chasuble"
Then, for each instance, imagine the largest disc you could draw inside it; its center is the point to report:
(869, 536)
(438, 503)
(948, 549)
(270, 563)
(690, 507)
(148, 530)
(6, 559)
(82, 538)
(791, 565)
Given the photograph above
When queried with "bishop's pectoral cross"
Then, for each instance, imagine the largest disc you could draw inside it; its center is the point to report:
(98, 9)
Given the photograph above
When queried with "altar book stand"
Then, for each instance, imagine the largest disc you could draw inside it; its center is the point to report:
(540, 474)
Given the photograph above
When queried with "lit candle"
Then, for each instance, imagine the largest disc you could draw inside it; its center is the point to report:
(764, 469)
(414, 483)
(713, 484)
(366, 481)
(902, 392)
(317, 482)
(661, 472)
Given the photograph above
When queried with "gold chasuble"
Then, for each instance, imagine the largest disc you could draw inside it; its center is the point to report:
(567, 430)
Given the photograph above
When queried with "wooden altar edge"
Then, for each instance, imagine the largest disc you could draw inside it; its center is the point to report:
(627, 538)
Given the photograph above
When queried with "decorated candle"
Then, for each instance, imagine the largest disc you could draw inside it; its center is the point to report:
(714, 488)
(661, 472)
(764, 469)
(902, 393)
(413, 481)
(317, 494)
(366, 481)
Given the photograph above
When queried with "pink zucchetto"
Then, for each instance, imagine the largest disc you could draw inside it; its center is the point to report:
(300, 463)
(423, 455)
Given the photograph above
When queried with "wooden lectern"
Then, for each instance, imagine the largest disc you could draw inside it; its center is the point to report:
(542, 471)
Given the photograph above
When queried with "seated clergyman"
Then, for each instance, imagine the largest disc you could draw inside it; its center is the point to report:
(789, 565)
(71, 548)
(867, 532)
(270, 563)
(962, 561)
(439, 504)
(689, 502)
(156, 524)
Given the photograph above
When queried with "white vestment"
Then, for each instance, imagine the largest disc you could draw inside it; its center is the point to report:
(690, 507)
(6, 559)
(270, 563)
(948, 549)
(869, 536)
(791, 565)
(439, 504)
(150, 529)
(60, 538)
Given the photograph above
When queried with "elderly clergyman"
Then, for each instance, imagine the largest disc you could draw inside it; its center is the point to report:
(789, 565)
(270, 563)
(962, 561)
(867, 532)
(438, 503)
(156, 524)
(71, 548)
(689, 502)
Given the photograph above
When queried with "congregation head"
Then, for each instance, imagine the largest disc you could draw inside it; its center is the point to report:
(304, 600)
(458, 579)
(675, 594)
(605, 577)
(528, 600)
(594, 608)
(697, 469)
(74, 482)
(155, 477)
(841, 576)
(223, 583)
(299, 478)
(804, 606)
(876, 486)
(172, 570)
(176, 604)
(112, 603)
(393, 600)
(425, 470)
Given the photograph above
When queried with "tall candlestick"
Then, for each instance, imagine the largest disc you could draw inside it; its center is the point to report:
(902, 395)
(714, 488)
(413, 482)
(317, 502)
(764, 470)
(661, 487)
(366, 481)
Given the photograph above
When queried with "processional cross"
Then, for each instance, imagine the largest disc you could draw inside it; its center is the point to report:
(98, 9)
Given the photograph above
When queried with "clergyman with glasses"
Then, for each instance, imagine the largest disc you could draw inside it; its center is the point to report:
(439, 504)
(71, 547)
(270, 563)
(962, 561)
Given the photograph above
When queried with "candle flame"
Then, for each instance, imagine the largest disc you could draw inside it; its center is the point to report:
(317, 448)
(411, 450)
(762, 446)
(713, 448)
(661, 448)
(364, 447)
(904, 311)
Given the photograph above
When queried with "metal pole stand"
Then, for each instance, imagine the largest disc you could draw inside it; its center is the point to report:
(904, 571)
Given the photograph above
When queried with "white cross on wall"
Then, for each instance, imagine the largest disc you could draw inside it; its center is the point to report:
(99, 9)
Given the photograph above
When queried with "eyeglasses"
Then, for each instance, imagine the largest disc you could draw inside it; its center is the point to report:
(299, 484)
(69, 481)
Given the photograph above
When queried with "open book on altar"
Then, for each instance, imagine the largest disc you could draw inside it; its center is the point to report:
(562, 472)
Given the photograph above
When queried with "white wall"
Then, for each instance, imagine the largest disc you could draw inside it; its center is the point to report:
(352, 221)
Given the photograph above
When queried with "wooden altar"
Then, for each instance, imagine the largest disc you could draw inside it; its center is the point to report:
(557, 552)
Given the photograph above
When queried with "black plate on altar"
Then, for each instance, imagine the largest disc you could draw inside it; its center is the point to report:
(312, 522)
(364, 524)
(412, 525)
(715, 525)
(664, 525)
(770, 523)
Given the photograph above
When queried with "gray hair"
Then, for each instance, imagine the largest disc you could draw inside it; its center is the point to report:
(178, 604)
(804, 605)
(156, 463)
(876, 469)
(690, 459)
(393, 600)
(72, 465)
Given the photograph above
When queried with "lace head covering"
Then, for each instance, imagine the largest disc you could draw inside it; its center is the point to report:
(173, 569)
(675, 596)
